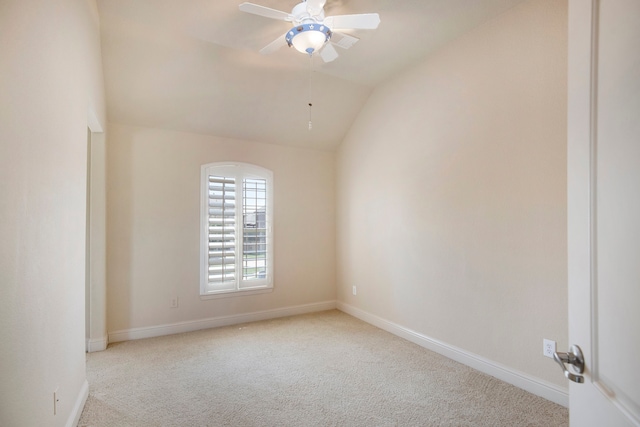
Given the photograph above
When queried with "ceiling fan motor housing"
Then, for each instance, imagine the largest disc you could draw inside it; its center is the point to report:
(302, 14)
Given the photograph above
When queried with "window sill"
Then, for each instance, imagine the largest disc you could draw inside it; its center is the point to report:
(231, 294)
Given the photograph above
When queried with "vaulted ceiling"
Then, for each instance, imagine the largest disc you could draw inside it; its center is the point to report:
(194, 65)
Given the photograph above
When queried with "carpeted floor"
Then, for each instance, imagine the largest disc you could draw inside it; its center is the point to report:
(322, 369)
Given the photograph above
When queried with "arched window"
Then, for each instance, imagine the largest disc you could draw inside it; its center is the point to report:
(236, 229)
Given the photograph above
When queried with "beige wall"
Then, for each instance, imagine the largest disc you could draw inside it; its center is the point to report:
(50, 77)
(153, 214)
(451, 200)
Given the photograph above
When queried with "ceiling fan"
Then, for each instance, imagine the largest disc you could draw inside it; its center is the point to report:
(313, 32)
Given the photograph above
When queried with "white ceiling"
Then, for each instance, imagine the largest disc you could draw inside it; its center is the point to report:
(193, 65)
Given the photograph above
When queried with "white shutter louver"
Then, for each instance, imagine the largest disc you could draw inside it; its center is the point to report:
(222, 231)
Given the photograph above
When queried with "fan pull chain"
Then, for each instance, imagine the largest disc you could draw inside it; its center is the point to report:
(310, 81)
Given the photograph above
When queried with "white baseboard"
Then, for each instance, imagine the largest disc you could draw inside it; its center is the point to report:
(98, 344)
(76, 412)
(521, 380)
(214, 322)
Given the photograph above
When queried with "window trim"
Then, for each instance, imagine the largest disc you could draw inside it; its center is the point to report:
(239, 171)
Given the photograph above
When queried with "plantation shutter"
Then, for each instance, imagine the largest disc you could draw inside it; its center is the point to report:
(222, 232)
(236, 247)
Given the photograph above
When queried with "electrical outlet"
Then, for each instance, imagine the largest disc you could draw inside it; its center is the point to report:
(548, 347)
(174, 302)
(354, 290)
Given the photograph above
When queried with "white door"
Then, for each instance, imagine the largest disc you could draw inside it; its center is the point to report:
(604, 209)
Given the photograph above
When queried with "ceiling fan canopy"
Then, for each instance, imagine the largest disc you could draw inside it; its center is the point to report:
(313, 32)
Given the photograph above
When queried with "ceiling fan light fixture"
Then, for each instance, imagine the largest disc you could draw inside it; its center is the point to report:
(308, 38)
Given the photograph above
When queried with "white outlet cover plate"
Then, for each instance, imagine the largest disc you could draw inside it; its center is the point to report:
(548, 347)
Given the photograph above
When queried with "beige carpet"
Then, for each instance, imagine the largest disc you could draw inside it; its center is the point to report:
(324, 369)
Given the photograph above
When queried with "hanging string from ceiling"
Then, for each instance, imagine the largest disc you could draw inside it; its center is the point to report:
(310, 86)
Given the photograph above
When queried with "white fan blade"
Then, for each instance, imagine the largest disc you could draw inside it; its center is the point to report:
(364, 21)
(267, 12)
(314, 7)
(274, 45)
(343, 40)
(328, 53)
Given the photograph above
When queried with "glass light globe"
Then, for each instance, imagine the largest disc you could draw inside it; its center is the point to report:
(309, 41)
(308, 38)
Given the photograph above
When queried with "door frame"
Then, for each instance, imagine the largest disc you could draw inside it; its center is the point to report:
(96, 241)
